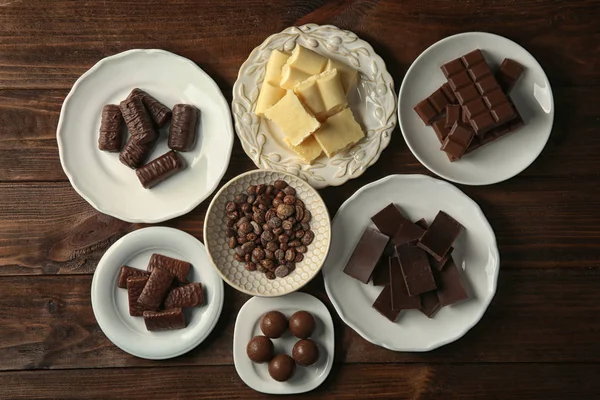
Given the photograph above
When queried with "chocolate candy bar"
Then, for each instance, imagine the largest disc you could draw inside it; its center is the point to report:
(416, 269)
(435, 264)
(127, 272)
(381, 274)
(189, 295)
(435, 104)
(156, 289)
(134, 154)
(440, 236)
(366, 254)
(430, 303)
(451, 289)
(457, 142)
(509, 73)
(453, 115)
(159, 169)
(135, 285)
(110, 137)
(408, 232)
(172, 318)
(184, 127)
(158, 111)
(383, 304)
(179, 268)
(400, 297)
(138, 120)
(388, 220)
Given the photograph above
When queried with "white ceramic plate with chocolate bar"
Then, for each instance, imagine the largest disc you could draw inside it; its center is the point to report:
(372, 102)
(109, 185)
(499, 159)
(110, 303)
(475, 254)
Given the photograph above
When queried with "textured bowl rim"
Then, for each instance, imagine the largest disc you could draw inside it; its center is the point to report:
(211, 210)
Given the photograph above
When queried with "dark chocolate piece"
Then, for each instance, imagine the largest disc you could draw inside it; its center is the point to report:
(110, 137)
(430, 304)
(401, 300)
(172, 318)
(135, 285)
(408, 232)
(441, 235)
(189, 295)
(457, 141)
(452, 115)
(138, 120)
(184, 127)
(435, 104)
(422, 223)
(388, 219)
(134, 155)
(451, 289)
(366, 254)
(179, 268)
(381, 274)
(509, 73)
(158, 111)
(435, 264)
(416, 269)
(383, 304)
(126, 272)
(156, 289)
(159, 169)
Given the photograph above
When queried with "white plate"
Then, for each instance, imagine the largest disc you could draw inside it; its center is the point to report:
(496, 161)
(113, 188)
(111, 307)
(247, 325)
(373, 105)
(475, 253)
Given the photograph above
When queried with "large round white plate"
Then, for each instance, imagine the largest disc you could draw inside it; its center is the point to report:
(373, 105)
(111, 307)
(113, 188)
(496, 161)
(247, 325)
(475, 253)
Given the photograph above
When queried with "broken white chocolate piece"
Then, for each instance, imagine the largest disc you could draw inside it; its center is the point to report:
(338, 133)
(348, 75)
(296, 122)
(302, 64)
(273, 70)
(309, 150)
(323, 94)
(269, 95)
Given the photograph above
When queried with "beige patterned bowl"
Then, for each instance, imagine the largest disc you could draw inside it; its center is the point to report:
(256, 283)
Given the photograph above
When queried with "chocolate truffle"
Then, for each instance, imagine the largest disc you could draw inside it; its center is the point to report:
(282, 367)
(305, 352)
(302, 324)
(273, 324)
(260, 349)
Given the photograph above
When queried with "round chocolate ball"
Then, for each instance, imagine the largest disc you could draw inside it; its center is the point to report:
(260, 349)
(282, 367)
(273, 324)
(305, 352)
(302, 324)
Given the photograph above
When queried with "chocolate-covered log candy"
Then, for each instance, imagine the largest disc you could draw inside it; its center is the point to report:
(189, 295)
(111, 129)
(164, 320)
(138, 120)
(156, 289)
(179, 268)
(160, 113)
(135, 287)
(182, 134)
(159, 169)
(135, 154)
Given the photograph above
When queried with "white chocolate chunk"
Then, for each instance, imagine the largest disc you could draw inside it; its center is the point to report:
(269, 95)
(309, 150)
(273, 70)
(348, 75)
(302, 64)
(323, 94)
(338, 133)
(292, 118)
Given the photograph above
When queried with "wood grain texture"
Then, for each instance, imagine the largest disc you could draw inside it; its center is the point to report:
(387, 381)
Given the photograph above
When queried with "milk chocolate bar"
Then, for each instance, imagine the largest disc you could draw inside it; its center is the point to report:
(172, 318)
(440, 236)
(509, 73)
(435, 104)
(416, 270)
(159, 169)
(158, 111)
(134, 154)
(110, 137)
(451, 289)
(457, 141)
(383, 304)
(138, 120)
(453, 115)
(184, 127)
(127, 272)
(189, 295)
(366, 254)
(401, 300)
(156, 289)
(135, 285)
(179, 268)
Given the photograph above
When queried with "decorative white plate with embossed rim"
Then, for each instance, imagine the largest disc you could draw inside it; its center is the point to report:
(256, 283)
(373, 104)
(476, 253)
(113, 188)
(496, 161)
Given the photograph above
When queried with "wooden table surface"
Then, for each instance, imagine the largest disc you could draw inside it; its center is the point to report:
(540, 337)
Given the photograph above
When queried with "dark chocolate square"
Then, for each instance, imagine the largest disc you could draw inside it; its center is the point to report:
(511, 69)
(407, 232)
(472, 58)
(495, 98)
(457, 141)
(479, 71)
(452, 67)
(388, 219)
(416, 270)
(487, 84)
(430, 304)
(441, 235)
(366, 254)
(474, 107)
(459, 80)
(467, 93)
(383, 304)
(400, 297)
(451, 289)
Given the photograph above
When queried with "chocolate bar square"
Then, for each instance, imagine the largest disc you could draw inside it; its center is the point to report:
(388, 219)
(430, 303)
(439, 127)
(451, 289)
(415, 269)
(401, 300)
(467, 93)
(509, 74)
(383, 304)
(452, 115)
(441, 235)
(457, 141)
(488, 84)
(366, 255)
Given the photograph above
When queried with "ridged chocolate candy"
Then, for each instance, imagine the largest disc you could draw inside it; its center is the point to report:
(110, 137)
(138, 120)
(159, 169)
(184, 126)
(158, 111)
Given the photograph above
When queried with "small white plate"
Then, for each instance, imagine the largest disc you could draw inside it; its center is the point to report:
(247, 325)
(496, 161)
(475, 253)
(113, 188)
(111, 307)
(373, 105)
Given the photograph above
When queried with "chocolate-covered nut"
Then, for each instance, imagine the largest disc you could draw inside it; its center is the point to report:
(307, 216)
(285, 210)
(302, 324)
(307, 238)
(280, 195)
(272, 246)
(287, 225)
(246, 208)
(273, 324)
(276, 202)
(230, 223)
(232, 242)
(278, 231)
(239, 258)
(283, 238)
(260, 349)
(290, 255)
(289, 190)
(280, 184)
(256, 228)
(251, 190)
(270, 275)
(299, 234)
(305, 352)
(248, 257)
(274, 222)
(241, 240)
(269, 255)
(250, 266)
(267, 236)
(267, 263)
(270, 214)
(260, 268)
(294, 243)
(305, 226)
(230, 206)
(282, 271)
(282, 367)
(301, 249)
(258, 254)
(251, 237)
(260, 188)
(270, 189)
(283, 246)
(299, 257)
(289, 200)
(279, 254)
(300, 203)
(248, 247)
